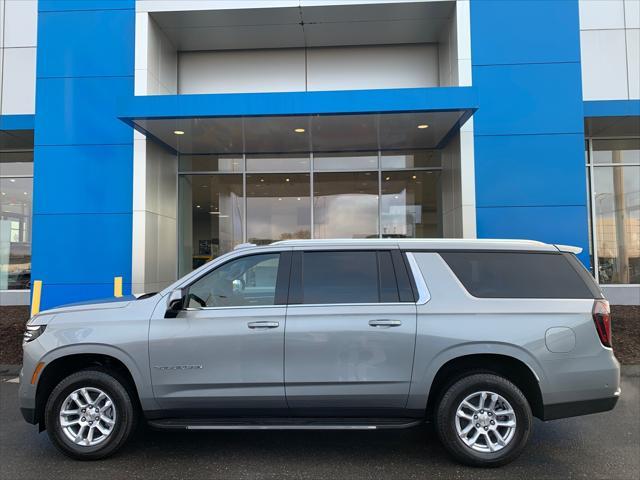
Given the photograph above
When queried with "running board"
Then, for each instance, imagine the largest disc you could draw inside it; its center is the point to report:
(284, 423)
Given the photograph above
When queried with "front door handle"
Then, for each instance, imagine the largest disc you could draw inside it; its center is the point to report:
(254, 325)
(385, 323)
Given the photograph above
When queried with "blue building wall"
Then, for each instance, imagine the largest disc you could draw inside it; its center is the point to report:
(82, 154)
(529, 129)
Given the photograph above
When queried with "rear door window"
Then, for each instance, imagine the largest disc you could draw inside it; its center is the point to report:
(339, 277)
(349, 276)
(517, 275)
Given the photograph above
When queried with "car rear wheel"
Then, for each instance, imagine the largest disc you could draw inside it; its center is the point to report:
(484, 420)
(89, 415)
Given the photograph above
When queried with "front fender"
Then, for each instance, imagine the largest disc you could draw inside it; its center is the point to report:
(139, 374)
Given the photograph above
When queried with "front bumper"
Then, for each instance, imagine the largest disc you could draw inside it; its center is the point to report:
(29, 414)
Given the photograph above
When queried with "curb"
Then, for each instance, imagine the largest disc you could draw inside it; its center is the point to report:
(625, 370)
(10, 369)
(630, 370)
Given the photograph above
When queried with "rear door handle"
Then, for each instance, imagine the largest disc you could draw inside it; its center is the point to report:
(263, 324)
(385, 323)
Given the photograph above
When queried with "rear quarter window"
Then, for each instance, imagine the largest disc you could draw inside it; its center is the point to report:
(518, 275)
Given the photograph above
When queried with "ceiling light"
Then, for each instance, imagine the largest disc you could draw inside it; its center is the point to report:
(299, 130)
(214, 213)
(422, 126)
(286, 179)
(279, 199)
(299, 198)
(25, 193)
(3, 193)
(396, 197)
(178, 132)
(414, 176)
(197, 206)
(12, 180)
(262, 179)
(387, 178)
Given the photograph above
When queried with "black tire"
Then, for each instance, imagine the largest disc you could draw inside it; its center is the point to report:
(125, 419)
(445, 417)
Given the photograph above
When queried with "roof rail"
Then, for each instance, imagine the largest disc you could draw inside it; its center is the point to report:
(244, 245)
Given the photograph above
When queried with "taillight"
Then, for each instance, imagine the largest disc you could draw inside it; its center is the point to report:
(602, 318)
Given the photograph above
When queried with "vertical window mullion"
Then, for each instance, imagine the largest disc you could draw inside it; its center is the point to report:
(379, 194)
(594, 223)
(244, 198)
(311, 196)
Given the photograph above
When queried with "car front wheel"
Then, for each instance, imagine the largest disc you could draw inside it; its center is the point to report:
(484, 420)
(89, 415)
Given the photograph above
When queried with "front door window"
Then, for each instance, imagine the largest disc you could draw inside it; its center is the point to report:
(244, 282)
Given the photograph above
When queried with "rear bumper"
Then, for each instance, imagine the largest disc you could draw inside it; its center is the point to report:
(583, 407)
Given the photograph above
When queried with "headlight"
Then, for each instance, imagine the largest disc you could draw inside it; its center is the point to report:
(32, 332)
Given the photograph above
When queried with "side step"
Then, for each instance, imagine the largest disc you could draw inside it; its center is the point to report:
(284, 423)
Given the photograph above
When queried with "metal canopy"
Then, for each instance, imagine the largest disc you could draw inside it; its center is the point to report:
(304, 133)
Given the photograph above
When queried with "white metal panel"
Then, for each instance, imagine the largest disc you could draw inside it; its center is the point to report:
(142, 41)
(19, 81)
(160, 185)
(21, 23)
(138, 260)
(1, 30)
(168, 65)
(421, 30)
(604, 64)
(632, 13)
(372, 67)
(160, 267)
(153, 49)
(155, 200)
(633, 60)
(242, 71)
(601, 14)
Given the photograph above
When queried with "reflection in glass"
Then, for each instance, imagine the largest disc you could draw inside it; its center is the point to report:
(278, 163)
(618, 150)
(211, 217)
(345, 161)
(617, 209)
(245, 282)
(210, 163)
(16, 163)
(411, 159)
(345, 205)
(278, 207)
(15, 232)
(410, 206)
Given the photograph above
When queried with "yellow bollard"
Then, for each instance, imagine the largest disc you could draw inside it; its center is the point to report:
(35, 299)
(117, 287)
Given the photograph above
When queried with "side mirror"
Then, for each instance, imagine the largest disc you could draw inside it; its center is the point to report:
(175, 303)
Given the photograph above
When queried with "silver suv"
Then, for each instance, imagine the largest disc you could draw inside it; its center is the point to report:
(478, 336)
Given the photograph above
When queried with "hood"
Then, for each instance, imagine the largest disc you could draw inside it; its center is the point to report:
(46, 316)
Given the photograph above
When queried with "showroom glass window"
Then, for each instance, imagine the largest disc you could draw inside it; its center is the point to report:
(614, 178)
(263, 198)
(16, 203)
